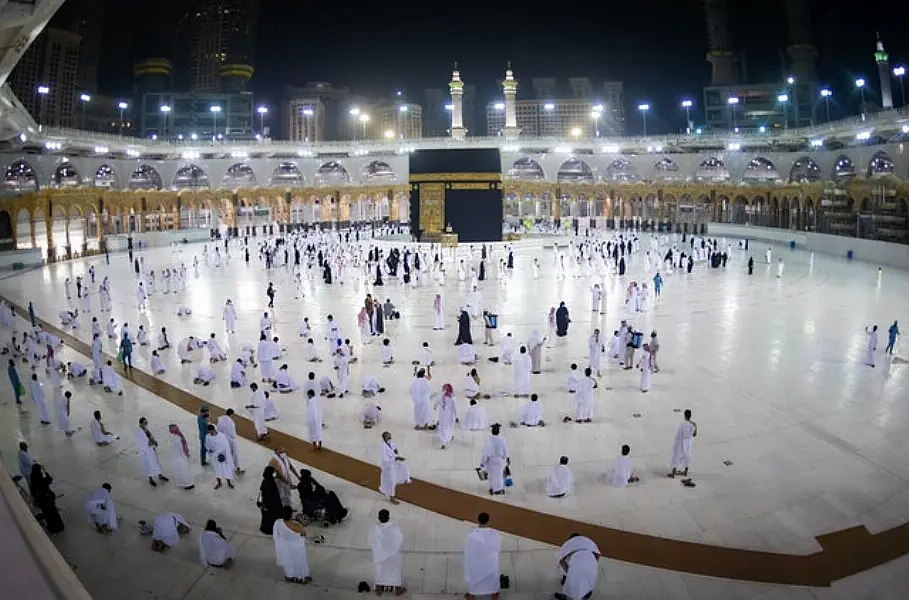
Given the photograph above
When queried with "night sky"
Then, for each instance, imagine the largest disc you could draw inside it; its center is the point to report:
(656, 47)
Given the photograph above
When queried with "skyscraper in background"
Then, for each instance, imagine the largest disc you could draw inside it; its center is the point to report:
(222, 46)
(84, 18)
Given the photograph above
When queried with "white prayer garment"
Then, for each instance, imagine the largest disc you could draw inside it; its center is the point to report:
(222, 459)
(314, 419)
(681, 447)
(871, 347)
(230, 317)
(310, 354)
(237, 375)
(386, 354)
(37, 391)
(214, 350)
(180, 461)
(466, 354)
(290, 551)
(580, 554)
(388, 479)
(76, 369)
(99, 436)
(448, 414)
(621, 472)
(101, 509)
(204, 376)
(583, 399)
(481, 561)
(532, 413)
(185, 349)
(520, 370)
(257, 412)
(62, 409)
(165, 529)
(285, 383)
(559, 482)
(471, 387)
(494, 461)
(508, 349)
(111, 380)
(228, 429)
(574, 379)
(266, 364)
(371, 385)
(271, 409)
(148, 456)
(420, 392)
(386, 540)
(157, 365)
(214, 550)
(475, 418)
(595, 349)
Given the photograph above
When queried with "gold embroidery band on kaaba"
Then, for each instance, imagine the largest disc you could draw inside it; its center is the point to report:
(445, 177)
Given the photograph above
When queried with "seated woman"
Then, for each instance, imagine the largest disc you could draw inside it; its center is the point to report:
(204, 376)
(371, 386)
(168, 528)
(214, 551)
(371, 415)
(466, 354)
(284, 383)
(318, 503)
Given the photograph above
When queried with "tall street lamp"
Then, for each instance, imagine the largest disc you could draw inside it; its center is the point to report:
(825, 94)
(354, 112)
(687, 104)
(262, 110)
(733, 101)
(860, 84)
(214, 109)
(364, 119)
(43, 91)
(165, 111)
(122, 106)
(784, 100)
(644, 108)
(899, 72)
(84, 99)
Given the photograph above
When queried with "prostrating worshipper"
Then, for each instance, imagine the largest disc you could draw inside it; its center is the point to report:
(622, 474)
(386, 541)
(481, 560)
(583, 399)
(285, 473)
(63, 411)
(521, 371)
(573, 380)
(508, 349)
(420, 393)
(214, 551)
(147, 448)
(532, 413)
(167, 530)
(100, 434)
(256, 408)
(467, 355)
(494, 460)
(180, 458)
(394, 468)
(371, 386)
(237, 374)
(247, 355)
(535, 349)
(204, 376)
(102, 513)
(645, 364)
(681, 448)
(215, 353)
(319, 504)
(475, 418)
(560, 480)
(578, 565)
(270, 504)
(156, 364)
(45, 498)
(37, 392)
(290, 547)
(562, 320)
(284, 383)
(75, 370)
(371, 415)
(386, 352)
(218, 447)
(472, 385)
(448, 415)
(228, 428)
(314, 420)
(111, 380)
(464, 336)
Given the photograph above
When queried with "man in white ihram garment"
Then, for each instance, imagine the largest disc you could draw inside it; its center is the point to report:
(230, 317)
(560, 480)
(101, 509)
(481, 560)
(494, 460)
(214, 550)
(290, 548)
(63, 411)
(420, 392)
(475, 417)
(147, 449)
(218, 447)
(228, 429)
(394, 468)
(621, 474)
(237, 374)
(215, 352)
(595, 349)
(578, 565)
(871, 348)
(386, 540)
(37, 392)
(532, 412)
(256, 408)
(167, 530)
(507, 349)
(681, 448)
(521, 371)
(314, 419)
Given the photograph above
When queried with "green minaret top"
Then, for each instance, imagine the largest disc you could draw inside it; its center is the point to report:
(881, 56)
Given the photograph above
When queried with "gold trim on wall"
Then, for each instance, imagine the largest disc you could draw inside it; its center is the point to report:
(472, 186)
(432, 207)
(441, 177)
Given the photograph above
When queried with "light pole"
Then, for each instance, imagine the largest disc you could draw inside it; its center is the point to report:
(900, 72)
(596, 113)
(165, 110)
(825, 94)
(644, 108)
(307, 112)
(262, 110)
(354, 112)
(43, 91)
(733, 101)
(860, 84)
(84, 99)
(402, 115)
(364, 119)
(214, 109)
(687, 104)
(784, 99)
(122, 106)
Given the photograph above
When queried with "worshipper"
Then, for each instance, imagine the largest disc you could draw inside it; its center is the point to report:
(654, 348)
(202, 421)
(521, 371)
(420, 392)
(562, 320)
(218, 447)
(256, 408)
(204, 376)
(371, 415)
(228, 428)
(560, 481)
(229, 315)
(267, 351)
(437, 311)
(237, 374)
(583, 399)
(102, 513)
(18, 388)
(142, 336)
(25, 461)
(532, 413)
(388, 310)
(371, 386)
(394, 468)
(508, 348)
(284, 383)
(157, 365)
(163, 343)
(870, 348)
(147, 448)
(310, 354)
(892, 334)
(386, 541)
(214, 551)
(167, 530)
(751, 265)
(622, 474)
(426, 356)
(767, 256)
(111, 380)
(215, 353)
(285, 472)
(472, 385)
(100, 434)
(779, 267)
(37, 392)
(386, 353)
(63, 411)
(495, 460)
(475, 417)
(247, 355)
(573, 380)
(179, 450)
(290, 548)
(75, 370)
(466, 354)
(126, 350)
(319, 504)
(270, 504)
(464, 336)
(596, 299)
(45, 499)
(578, 565)
(448, 415)
(481, 560)
(535, 349)
(490, 322)
(314, 420)
(681, 448)
(645, 364)
(185, 349)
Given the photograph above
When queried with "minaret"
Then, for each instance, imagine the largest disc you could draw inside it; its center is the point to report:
(720, 55)
(456, 86)
(883, 72)
(510, 89)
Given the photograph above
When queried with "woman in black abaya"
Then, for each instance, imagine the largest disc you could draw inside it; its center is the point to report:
(464, 329)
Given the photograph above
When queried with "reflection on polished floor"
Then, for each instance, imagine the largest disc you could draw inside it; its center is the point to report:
(797, 438)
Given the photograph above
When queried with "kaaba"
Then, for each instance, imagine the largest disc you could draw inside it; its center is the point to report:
(456, 191)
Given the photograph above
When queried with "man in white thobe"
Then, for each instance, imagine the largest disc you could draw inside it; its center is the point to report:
(215, 353)
(391, 469)
(871, 348)
(256, 408)
(237, 374)
(37, 392)
(222, 459)
(583, 398)
(521, 371)
(265, 352)
(314, 419)
(578, 565)
(681, 447)
(495, 459)
(386, 540)
(560, 480)
(481, 560)
(228, 429)
(420, 392)
(101, 509)
(147, 449)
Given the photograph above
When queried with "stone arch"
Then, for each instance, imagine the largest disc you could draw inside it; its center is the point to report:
(332, 173)
(105, 177)
(621, 170)
(804, 170)
(526, 169)
(378, 171)
(20, 177)
(190, 176)
(574, 170)
(740, 210)
(712, 170)
(145, 177)
(722, 208)
(66, 175)
(760, 170)
(843, 168)
(880, 165)
(239, 175)
(665, 169)
(287, 174)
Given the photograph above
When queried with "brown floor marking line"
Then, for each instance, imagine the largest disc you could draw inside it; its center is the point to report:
(844, 553)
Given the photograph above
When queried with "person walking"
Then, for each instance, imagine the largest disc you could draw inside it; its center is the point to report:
(202, 422)
(892, 334)
(18, 388)
(126, 352)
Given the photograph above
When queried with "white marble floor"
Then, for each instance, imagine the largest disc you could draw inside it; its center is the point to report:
(772, 369)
